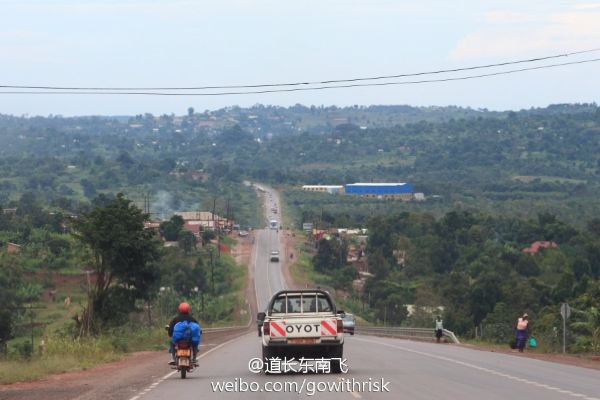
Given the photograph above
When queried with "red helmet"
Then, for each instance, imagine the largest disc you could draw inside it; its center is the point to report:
(184, 308)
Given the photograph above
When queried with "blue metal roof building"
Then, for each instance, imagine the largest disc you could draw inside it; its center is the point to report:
(379, 189)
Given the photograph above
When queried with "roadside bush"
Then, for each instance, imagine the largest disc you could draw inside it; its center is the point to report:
(24, 349)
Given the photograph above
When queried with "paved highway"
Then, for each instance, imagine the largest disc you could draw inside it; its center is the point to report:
(268, 278)
(409, 370)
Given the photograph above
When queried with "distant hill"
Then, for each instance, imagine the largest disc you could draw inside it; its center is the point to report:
(514, 161)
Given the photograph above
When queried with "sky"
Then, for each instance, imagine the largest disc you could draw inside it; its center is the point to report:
(141, 43)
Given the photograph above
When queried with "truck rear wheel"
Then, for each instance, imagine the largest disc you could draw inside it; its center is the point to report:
(266, 356)
(336, 355)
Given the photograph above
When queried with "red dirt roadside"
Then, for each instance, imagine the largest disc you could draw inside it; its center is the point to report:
(290, 256)
(568, 359)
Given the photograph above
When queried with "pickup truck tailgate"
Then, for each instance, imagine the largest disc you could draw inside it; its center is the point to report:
(303, 328)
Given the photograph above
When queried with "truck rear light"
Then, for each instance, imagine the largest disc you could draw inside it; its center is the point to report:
(340, 326)
(267, 329)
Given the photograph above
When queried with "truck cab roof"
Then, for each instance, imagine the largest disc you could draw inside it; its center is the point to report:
(301, 302)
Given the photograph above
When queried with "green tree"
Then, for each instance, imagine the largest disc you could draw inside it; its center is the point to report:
(11, 297)
(331, 255)
(171, 229)
(123, 261)
(589, 324)
(207, 236)
(187, 241)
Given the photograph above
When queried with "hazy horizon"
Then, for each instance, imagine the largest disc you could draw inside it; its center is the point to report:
(197, 111)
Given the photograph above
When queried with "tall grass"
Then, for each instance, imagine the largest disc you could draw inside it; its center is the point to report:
(63, 353)
(60, 354)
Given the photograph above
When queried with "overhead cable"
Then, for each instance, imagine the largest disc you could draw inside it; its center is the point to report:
(307, 83)
(315, 88)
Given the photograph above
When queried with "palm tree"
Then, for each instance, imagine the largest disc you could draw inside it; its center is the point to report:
(589, 324)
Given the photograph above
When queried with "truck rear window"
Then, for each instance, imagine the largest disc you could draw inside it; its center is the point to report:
(301, 303)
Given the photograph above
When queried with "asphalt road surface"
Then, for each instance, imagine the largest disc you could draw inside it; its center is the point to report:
(402, 369)
(268, 278)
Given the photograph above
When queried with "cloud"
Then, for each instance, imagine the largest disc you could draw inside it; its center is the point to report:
(587, 6)
(508, 34)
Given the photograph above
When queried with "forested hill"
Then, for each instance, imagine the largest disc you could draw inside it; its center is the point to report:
(517, 162)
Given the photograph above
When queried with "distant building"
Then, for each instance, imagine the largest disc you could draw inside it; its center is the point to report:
(13, 248)
(9, 211)
(152, 225)
(536, 246)
(196, 221)
(419, 197)
(193, 226)
(333, 189)
(403, 191)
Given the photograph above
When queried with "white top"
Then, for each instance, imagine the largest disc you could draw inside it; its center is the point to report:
(376, 184)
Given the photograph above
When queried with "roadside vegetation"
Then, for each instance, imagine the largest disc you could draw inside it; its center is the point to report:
(472, 269)
(126, 288)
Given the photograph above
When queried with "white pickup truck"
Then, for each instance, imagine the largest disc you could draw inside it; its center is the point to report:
(302, 323)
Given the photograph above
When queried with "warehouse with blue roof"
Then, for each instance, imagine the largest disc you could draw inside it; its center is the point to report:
(403, 191)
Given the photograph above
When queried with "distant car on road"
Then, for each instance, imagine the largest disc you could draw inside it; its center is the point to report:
(275, 256)
(349, 323)
(243, 233)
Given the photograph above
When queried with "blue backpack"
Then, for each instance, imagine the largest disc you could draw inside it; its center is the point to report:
(186, 330)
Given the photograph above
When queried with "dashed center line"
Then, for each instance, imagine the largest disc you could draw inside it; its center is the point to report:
(158, 382)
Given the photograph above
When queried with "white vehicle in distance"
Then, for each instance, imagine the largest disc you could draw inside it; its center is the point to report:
(273, 224)
(243, 233)
(274, 256)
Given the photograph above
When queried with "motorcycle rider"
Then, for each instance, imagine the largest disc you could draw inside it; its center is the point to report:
(183, 314)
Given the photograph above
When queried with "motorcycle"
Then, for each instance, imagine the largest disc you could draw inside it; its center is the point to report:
(183, 357)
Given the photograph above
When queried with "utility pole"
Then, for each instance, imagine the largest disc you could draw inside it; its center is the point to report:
(385, 315)
(216, 228)
(565, 312)
(31, 325)
(30, 308)
(212, 270)
(87, 323)
(228, 220)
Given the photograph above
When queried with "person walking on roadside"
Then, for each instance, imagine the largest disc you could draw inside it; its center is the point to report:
(522, 331)
(439, 328)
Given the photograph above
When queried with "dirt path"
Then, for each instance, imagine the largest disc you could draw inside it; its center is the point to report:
(290, 256)
(568, 359)
(243, 254)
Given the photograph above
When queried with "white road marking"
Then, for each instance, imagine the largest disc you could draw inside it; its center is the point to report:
(354, 394)
(161, 380)
(483, 369)
(253, 261)
(269, 268)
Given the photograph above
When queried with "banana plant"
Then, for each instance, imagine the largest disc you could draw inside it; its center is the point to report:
(590, 324)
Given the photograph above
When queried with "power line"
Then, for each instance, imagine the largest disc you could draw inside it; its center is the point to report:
(307, 83)
(461, 78)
